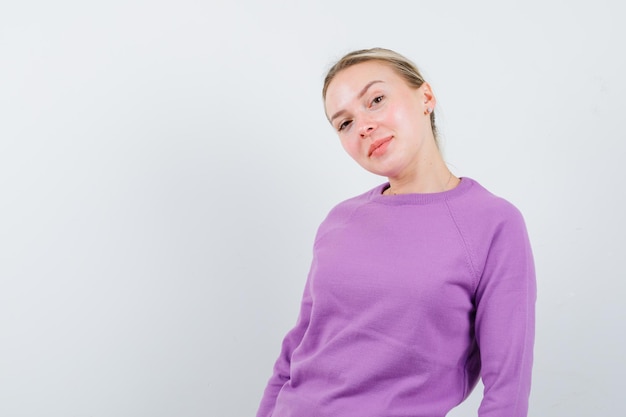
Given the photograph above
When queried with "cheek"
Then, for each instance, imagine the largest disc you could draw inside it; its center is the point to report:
(351, 146)
(396, 115)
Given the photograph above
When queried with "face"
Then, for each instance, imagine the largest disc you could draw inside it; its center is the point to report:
(382, 122)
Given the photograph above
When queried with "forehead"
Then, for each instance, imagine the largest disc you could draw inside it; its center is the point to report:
(349, 82)
(362, 72)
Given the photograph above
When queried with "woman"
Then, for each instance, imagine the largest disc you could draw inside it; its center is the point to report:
(417, 287)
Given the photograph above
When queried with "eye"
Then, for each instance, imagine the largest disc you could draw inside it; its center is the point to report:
(344, 125)
(377, 99)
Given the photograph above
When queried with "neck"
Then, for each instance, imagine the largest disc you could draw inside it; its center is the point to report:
(429, 176)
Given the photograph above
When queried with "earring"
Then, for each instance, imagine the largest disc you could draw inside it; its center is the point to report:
(428, 110)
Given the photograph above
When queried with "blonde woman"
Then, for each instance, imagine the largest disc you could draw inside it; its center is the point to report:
(418, 287)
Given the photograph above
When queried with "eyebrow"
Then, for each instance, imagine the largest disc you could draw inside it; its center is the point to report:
(360, 95)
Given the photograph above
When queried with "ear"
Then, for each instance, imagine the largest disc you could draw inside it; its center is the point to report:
(429, 97)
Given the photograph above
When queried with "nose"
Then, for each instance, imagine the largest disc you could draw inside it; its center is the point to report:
(366, 128)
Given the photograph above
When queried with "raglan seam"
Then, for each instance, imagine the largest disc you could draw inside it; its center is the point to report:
(346, 220)
(468, 252)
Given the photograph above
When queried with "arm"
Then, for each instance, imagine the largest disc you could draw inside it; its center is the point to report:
(505, 320)
(282, 366)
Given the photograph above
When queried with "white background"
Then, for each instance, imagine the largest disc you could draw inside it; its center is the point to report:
(164, 166)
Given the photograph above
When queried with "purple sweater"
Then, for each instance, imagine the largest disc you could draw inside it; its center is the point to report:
(409, 300)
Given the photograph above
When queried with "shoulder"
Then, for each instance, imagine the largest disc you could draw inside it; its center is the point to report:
(347, 207)
(483, 218)
(341, 213)
(479, 203)
(490, 225)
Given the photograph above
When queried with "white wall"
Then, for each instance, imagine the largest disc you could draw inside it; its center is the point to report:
(164, 167)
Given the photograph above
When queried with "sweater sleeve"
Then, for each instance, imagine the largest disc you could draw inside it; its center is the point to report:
(282, 373)
(505, 318)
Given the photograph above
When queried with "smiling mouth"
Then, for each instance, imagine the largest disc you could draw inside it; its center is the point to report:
(377, 144)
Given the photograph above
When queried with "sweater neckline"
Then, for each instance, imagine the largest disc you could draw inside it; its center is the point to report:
(376, 195)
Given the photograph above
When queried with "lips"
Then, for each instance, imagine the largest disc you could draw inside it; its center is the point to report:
(378, 144)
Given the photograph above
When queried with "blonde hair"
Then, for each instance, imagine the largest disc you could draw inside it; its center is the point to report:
(400, 64)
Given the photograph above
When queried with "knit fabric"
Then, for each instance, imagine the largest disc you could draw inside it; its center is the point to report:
(409, 300)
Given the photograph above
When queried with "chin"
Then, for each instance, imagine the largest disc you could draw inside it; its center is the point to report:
(379, 172)
(384, 170)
